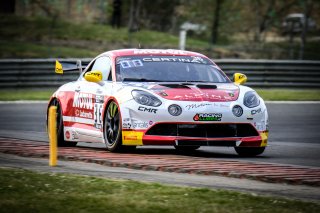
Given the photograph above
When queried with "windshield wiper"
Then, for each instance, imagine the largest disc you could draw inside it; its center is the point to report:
(140, 80)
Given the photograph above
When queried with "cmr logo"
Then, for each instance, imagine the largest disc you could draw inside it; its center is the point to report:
(82, 100)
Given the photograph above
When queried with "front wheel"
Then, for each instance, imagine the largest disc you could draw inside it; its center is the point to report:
(112, 128)
(249, 151)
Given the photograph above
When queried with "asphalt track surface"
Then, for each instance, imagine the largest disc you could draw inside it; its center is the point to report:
(294, 133)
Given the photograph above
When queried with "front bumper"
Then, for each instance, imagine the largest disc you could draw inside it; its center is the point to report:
(140, 127)
(139, 138)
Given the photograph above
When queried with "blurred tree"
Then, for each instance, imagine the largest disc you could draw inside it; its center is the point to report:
(49, 9)
(134, 15)
(216, 20)
(307, 6)
(7, 6)
(116, 14)
(266, 12)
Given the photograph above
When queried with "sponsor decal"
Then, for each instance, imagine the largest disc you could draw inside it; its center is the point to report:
(260, 126)
(141, 125)
(131, 63)
(93, 74)
(172, 59)
(82, 100)
(99, 99)
(98, 115)
(196, 59)
(146, 109)
(221, 105)
(74, 135)
(150, 123)
(68, 135)
(163, 94)
(255, 111)
(126, 125)
(173, 52)
(132, 138)
(84, 114)
(196, 106)
(207, 117)
(231, 94)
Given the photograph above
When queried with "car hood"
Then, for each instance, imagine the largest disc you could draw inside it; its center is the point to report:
(193, 91)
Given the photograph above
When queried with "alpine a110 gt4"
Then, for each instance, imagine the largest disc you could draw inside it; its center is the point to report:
(136, 97)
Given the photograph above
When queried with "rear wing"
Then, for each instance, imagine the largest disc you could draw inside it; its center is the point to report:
(62, 67)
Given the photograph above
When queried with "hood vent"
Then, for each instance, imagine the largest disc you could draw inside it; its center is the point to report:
(206, 86)
(175, 86)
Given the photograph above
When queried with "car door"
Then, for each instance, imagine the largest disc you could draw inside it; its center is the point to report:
(88, 101)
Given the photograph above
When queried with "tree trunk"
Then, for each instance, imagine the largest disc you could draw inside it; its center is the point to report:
(307, 12)
(215, 25)
(134, 15)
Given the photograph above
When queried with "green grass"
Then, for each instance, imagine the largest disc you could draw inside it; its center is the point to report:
(289, 95)
(19, 49)
(25, 191)
(266, 94)
(31, 37)
(25, 94)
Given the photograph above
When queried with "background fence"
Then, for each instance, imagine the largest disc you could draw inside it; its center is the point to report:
(39, 73)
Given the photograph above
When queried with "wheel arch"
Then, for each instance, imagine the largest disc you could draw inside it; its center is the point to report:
(49, 104)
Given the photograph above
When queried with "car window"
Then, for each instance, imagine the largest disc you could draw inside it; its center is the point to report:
(168, 68)
(102, 64)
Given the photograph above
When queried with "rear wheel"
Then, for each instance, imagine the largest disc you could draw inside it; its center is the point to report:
(60, 137)
(186, 148)
(249, 151)
(112, 129)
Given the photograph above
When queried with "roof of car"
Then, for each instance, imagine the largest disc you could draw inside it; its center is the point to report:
(172, 52)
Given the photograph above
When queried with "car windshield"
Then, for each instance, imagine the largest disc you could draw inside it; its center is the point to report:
(168, 69)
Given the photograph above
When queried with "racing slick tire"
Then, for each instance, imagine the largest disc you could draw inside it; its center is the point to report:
(60, 137)
(112, 129)
(249, 151)
(186, 148)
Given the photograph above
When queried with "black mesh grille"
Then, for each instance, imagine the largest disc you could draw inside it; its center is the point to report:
(203, 130)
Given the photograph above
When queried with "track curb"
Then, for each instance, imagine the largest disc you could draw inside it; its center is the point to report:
(266, 172)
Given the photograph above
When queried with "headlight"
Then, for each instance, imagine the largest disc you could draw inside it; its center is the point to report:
(237, 110)
(174, 110)
(145, 98)
(251, 99)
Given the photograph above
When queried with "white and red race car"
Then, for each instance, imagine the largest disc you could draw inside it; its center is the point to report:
(135, 97)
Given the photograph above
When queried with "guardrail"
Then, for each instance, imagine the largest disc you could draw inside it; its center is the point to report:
(39, 73)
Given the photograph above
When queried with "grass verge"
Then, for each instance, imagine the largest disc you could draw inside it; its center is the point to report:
(266, 94)
(25, 94)
(289, 95)
(25, 191)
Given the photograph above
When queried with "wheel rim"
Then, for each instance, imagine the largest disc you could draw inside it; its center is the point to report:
(112, 123)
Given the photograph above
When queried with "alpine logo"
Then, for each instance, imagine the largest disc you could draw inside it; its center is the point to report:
(207, 117)
(82, 100)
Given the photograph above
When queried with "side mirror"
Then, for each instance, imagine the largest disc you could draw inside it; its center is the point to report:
(239, 78)
(93, 76)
